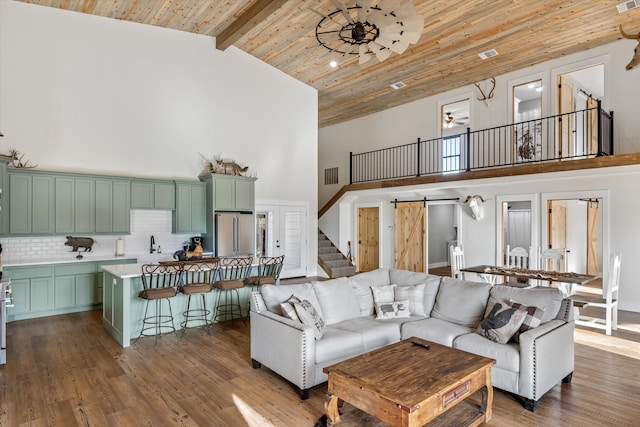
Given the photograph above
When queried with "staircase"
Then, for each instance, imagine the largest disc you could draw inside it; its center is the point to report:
(332, 261)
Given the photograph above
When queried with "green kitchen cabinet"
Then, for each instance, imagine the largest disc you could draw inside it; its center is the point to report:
(113, 201)
(189, 215)
(230, 193)
(75, 285)
(20, 295)
(84, 205)
(32, 291)
(64, 204)
(4, 184)
(153, 195)
(31, 204)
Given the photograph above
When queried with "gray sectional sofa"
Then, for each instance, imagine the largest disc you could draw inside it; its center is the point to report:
(448, 313)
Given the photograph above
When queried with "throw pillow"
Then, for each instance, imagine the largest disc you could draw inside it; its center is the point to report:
(531, 320)
(501, 323)
(393, 310)
(383, 294)
(310, 316)
(415, 295)
(288, 310)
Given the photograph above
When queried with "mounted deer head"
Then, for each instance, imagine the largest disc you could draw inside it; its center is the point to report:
(487, 98)
(475, 204)
(636, 52)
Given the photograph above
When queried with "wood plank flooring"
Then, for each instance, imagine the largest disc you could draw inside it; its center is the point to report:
(67, 371)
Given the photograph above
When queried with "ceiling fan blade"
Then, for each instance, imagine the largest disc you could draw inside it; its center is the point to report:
(363, 10)
(326, 16)
(342, 8)
(365, 54)
(396, 45)
(380, 51)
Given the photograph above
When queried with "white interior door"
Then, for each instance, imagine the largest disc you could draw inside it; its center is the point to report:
(281, 230)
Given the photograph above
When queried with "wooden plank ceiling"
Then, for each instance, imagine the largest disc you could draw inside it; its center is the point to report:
(282, 33)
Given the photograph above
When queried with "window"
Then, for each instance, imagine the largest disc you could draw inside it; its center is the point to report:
(451, 153)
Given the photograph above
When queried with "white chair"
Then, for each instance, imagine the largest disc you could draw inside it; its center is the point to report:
(517, 257)
(554, 260)
(608, 300)
(457, 261)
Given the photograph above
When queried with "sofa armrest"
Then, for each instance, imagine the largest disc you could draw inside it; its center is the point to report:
(285, 346)
(546, 357)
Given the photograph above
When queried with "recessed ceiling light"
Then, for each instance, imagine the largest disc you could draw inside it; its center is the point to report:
(333, 64)
(397, 85)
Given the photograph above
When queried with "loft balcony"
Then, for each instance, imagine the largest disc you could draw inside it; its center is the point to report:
(580, 134)
(573, 141)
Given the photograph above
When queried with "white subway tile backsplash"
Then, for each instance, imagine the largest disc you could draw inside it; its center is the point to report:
(144, 224)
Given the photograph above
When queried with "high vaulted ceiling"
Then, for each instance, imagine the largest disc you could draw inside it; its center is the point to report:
(282, 33)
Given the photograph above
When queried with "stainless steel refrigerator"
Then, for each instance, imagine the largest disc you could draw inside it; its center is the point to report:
(233, 234)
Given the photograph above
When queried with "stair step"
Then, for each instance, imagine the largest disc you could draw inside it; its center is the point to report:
(322, 243)
(343, 272)
(331, 256)
(338, 263)
(327, 250)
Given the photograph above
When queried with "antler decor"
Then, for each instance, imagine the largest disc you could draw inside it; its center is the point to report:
(636, 52)
(487, 98)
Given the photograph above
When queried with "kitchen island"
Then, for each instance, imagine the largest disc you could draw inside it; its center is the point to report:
(123, 310)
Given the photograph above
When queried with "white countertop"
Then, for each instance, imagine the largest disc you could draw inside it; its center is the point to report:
(124, 271)
(87, 257)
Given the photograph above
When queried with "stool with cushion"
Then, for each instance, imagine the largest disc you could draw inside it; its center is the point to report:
(160, 283)
(197, 280)
(231, 275)
(269, 269)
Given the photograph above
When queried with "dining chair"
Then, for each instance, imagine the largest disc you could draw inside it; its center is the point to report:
(456, 255)
(231, 275)
(517, 257)
(555, 260)
(197, 280)
(608, 300)
(160, 283)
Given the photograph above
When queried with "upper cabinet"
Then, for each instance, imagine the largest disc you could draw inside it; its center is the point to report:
(113, 201)
(147, 194)
(230, 193)
(189, 215)
(31, 204)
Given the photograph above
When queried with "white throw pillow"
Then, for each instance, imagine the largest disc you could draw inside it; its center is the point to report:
(383, 294)
(393, 310)
(288, 310)
(415, 295)
(310, 316)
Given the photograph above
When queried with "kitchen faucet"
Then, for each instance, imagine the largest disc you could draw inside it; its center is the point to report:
(153, 242)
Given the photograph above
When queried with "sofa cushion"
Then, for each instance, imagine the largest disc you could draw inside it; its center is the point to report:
(431, 329)
(507, 356)
(393, 310)
(406, 277)
(549, 299)
(337, 300)
(362, 284)
(375, 334)
(531, 320)
(338, 344)
(461, 302)
(415, 295)
(383, 294)
(274, 295)
(501, 323)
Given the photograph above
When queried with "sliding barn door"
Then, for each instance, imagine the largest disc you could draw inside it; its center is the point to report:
(368, 239)
(557, 220)
(566, 144)
(410, 236)
(593, 238)
(592, 126)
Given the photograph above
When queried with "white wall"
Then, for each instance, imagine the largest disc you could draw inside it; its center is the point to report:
(89, 94)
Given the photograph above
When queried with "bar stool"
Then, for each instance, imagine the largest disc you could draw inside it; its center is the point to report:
(197, 279)
(231, 275)
(160, 283)
(269, 269)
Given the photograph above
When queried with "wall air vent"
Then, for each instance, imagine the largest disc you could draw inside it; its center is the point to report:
(488, 54)
(331, 176)
(397, 85)
(628, 5)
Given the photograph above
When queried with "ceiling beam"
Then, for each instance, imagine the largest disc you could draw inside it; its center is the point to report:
(250, 18)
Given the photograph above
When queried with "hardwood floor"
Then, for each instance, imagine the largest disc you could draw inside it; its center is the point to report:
(67, 371)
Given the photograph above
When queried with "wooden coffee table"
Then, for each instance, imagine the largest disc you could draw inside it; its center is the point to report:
(404, 384)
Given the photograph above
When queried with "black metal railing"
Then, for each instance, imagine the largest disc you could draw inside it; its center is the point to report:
(579, 134)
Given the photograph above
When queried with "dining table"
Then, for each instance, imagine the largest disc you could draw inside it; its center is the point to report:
(570, 278)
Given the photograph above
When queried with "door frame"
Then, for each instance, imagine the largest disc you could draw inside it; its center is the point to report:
(603, 195)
